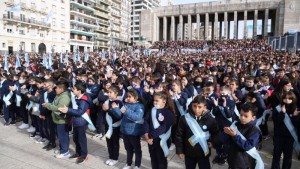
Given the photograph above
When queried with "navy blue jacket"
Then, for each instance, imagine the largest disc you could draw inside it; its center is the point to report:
(94, 90)
(83, 106)
(111, 112)
(5, 89)
(237, 156)
(210, 102)
(182, 101)
(132, 119)
(50, 97)
(165, 124)
(228, 112)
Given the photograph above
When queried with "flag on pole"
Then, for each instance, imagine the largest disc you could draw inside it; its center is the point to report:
(67, 59)
(15, 8)
(45, 64)
(61, 57)
(18, 63)
(5, 62)
(97, 22)
(103, 53)
(86, 56)
(50, 61)
(49, 16)
(27, 60)
(78, 57)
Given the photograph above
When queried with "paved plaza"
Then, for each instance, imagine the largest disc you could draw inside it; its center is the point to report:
(17, 151)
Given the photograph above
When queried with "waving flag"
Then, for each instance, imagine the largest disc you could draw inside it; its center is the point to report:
(86, 56)
(67, 59)
(61, 57)
(45, 64)
(5, 62)
(27, 60)
(50, 63)
(78, 57)
(16, 8)
(49, 16)
(18, 63)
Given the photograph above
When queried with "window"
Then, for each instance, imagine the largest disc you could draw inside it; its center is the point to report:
(22, 46)
(22, 17)
(62, 25)
(41, 35)
(53, 22)
(3, 45)
(9, 30)
(62, 1)
(32, 47)
(21, 32)
(10, 14)
(62, 11)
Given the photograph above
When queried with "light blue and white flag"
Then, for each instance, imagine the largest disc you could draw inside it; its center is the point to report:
(5, 62)
(15, 8)
(45, 63)
(86, 56)
(18, 63)
(49, 16)
(50, 63)
(61, 57)
(27, 60)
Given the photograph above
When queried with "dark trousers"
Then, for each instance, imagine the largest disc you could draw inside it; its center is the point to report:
(79, 138)
(190, 163)
(282, 145)
(99, 122)
(174, 129)
(50, 128)
(41, 126)
(63, 137)
(264, 126)
(133, 144)
(158, 159)
(113, 144)
(23, 112)
(8, 113)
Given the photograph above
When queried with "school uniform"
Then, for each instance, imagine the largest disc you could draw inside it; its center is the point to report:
(165, 119)
(49, 126)
(7, 107)
(21, 104)
(32, 90)
(102, 97)
(196, 154)
(238, 158)
(79, 124)
(283, 139)
(132, 130)
(112, 139)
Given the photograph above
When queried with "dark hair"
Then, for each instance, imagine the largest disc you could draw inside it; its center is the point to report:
(169, 102)
(114, 88)
(249, 107)
(63, 84)
(199, 99)
(39, 79)
(291, 107)
(136, 95)
(80, 86)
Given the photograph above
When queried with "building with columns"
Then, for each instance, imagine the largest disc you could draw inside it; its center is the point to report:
(34, 26)
(225, 19)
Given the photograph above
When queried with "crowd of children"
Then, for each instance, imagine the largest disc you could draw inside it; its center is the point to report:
(185, 101)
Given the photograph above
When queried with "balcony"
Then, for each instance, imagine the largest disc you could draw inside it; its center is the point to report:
(102, 37)
(79, 4)
(103, 22)
(101, 15)
(116, 14)
(103, 45)
(84, 14)
(33, 8)
(81, 32)
(102, 8)
(78, 41)
(118, 1)
(106, 2)
(25, 21)
(102, 30)
(83, 23)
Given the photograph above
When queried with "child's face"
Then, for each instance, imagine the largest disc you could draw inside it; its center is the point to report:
(198, 108)
(175, 87)
(40, 85)
(158, 102)
(246, 117)
(249, 83)
(131, 99)
(112, 95)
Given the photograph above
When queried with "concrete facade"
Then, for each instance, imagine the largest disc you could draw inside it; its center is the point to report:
(224, 19)
(37, 26)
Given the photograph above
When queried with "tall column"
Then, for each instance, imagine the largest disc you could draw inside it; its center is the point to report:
(245, 24)
(225, 25)
(206, 25)
(157, 29)
(255, 23)
(165, 28)
(198, 27)
(266, 23)
(172, 28)
(180, 27)
(216, 26)
(189, 27)
(235, 35)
